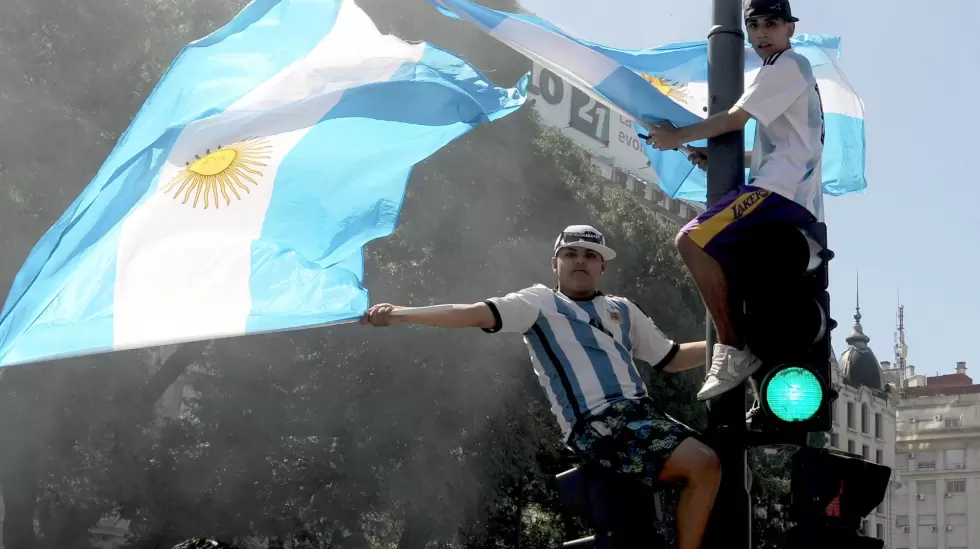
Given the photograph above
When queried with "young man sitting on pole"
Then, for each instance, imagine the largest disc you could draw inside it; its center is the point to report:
(582, 345)
(784, 186)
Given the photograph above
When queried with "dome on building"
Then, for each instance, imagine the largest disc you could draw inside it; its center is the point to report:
(858, 361)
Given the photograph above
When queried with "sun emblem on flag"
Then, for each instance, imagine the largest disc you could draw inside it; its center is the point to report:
(224, 170)
(671, 89)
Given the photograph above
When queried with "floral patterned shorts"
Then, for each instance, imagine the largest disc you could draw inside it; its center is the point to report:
(631, 437)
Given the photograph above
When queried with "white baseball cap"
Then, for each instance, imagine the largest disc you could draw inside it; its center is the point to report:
(584, 236)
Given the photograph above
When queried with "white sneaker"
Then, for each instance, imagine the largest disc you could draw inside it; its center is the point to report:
(729, 367)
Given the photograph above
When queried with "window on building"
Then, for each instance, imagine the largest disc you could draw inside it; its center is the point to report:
(878, 456)
(925, 487)
(953, 423)
(956, 486)
(927, 520)
(833, 412)
(956, 458)
(901, 520)
(957, 519)
(850, 415)
(834, 440)
(901, 460)
(879, 429)
(850, 446)
(865, 419)
(925, 460)
(865, 451)
(880, 531)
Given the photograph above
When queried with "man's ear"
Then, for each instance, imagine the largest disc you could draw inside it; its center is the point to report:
(554, 264)
(603, 269)
(792, 29)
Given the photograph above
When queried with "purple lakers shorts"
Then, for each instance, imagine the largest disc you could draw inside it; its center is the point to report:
(742, 211)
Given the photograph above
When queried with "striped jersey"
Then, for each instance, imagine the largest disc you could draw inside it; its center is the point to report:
(582, 351)
(784, 100)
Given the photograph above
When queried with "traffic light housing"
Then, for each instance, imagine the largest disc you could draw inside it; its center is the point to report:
(781, 310)
(831, 493)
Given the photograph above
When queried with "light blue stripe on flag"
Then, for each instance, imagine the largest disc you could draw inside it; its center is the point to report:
(240, 197)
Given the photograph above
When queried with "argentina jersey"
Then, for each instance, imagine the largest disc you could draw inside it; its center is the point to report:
(582, 351)
(784, 99)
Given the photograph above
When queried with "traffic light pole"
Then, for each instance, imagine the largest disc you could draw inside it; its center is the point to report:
(731, 520)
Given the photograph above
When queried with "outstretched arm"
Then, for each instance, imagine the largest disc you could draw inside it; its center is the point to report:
(689, 355)
(664, 136)
(476, 315)
(661, 352)
(512, 313)
(732, 120)
(778, 84)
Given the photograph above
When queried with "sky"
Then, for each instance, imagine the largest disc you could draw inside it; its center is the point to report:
(912, 235)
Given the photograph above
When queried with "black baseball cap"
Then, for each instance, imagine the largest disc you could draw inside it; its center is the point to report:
(769, 8)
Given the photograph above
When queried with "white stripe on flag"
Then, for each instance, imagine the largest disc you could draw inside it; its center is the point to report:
(183, 272)
(555, 50)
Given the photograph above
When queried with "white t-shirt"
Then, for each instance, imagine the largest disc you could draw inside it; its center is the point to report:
(785, 102)
(585, 348)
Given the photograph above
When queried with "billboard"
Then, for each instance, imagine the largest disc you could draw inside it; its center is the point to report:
(610, 137)
(611, 140)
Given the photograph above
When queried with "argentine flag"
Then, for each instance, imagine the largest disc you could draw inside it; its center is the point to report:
(240, 197)
(671, 83)
(681, 72)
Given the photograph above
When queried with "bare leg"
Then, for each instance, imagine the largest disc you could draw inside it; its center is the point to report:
(697, 466)
(711, 282)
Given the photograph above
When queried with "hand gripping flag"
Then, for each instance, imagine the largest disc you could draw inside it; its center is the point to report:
(240, 197)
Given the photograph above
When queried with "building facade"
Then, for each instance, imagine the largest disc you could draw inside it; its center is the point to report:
(864, 416)
(936, 499)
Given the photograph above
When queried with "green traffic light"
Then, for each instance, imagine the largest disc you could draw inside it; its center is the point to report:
(794, 394)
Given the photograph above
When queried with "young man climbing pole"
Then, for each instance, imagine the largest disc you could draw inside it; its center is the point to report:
(784, 186)
(582, 345)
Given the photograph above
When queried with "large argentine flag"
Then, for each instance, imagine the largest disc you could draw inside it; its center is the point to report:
(240, 197)
(670, 83)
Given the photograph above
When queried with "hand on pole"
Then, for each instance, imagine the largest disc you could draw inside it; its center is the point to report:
(699, 157)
